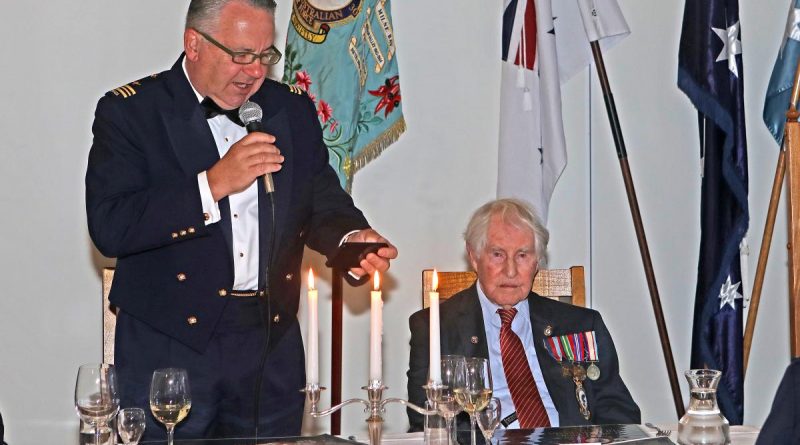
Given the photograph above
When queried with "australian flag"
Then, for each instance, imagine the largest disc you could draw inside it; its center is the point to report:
(710, 73)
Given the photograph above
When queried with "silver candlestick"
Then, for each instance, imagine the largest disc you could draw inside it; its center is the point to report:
(374, 405)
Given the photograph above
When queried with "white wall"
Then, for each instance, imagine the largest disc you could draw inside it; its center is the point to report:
(59, 57)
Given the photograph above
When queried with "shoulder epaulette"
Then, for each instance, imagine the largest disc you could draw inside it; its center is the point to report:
(295, 89)
(129, 89)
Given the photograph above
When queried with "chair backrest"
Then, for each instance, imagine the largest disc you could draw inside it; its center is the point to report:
(559, 284)
(109, 317)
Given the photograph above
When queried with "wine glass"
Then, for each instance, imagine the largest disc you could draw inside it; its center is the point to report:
(452, 377)
(130, 422)
(170, 399)
(476, 389)
(96, 396)
(489, 419)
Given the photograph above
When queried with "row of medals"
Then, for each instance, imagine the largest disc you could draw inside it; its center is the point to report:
(579, 374)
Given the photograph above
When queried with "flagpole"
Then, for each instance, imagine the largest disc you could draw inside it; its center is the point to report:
(622, 154)
(766, 240)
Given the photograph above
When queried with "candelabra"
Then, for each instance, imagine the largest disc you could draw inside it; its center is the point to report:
(375, 404)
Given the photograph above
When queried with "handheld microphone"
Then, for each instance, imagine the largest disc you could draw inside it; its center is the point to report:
(250, 114)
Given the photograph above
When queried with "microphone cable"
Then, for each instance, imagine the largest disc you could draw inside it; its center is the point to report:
(267, 319)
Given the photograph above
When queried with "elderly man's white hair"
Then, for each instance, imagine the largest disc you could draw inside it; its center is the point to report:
(511, 211)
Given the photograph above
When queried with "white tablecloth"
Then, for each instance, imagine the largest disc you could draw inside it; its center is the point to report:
(740, 435)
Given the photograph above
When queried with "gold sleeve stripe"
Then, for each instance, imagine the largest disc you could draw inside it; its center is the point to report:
(129, 89)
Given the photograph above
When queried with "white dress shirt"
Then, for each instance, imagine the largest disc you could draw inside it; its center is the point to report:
(244, 205)
(522, 327)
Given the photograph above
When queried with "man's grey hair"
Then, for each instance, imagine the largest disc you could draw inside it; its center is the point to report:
(511, 211)
(204, 14)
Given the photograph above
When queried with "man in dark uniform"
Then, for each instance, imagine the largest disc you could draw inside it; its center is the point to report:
(208, 262)
(500, 319)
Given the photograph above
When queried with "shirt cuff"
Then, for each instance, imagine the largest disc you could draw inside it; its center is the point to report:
(344, 240)
(211, 213)
(347, 235)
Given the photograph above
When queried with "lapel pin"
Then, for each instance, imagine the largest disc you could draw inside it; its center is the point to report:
(474, 339)
(548, 331)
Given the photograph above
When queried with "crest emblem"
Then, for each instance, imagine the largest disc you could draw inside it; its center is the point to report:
(313, 19)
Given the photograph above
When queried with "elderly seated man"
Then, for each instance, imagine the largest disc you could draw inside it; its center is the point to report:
(532, 343)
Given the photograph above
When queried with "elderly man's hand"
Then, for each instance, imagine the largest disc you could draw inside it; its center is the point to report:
(373, 262)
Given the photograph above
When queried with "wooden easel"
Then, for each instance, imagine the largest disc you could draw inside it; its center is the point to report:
(789, 154)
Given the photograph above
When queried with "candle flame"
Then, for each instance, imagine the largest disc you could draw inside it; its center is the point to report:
(376, 281)
(435, 284)
(310, 278)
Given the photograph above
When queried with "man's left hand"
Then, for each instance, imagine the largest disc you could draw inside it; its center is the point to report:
(374, 261)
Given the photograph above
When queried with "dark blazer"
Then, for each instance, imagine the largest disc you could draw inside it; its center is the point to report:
(461, 319)
(783, 423)
(151, 139)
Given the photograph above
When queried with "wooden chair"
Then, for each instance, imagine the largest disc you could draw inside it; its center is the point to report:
(109, 317)
(566, 285)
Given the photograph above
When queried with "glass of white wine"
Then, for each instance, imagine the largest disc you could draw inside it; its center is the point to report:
(446, 404)
(96, 396)
(476, 390)
(130, 423)
(170, 398)
(489, 419)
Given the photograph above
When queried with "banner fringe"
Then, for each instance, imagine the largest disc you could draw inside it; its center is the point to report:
(374, 149)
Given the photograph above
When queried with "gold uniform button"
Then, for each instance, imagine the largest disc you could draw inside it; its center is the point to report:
(174, 235)
(206, 216)
(182, 233)
(222, 292)
(181, 276)
(191, 230)
(276, 318)
(191, 320)
(289, 277)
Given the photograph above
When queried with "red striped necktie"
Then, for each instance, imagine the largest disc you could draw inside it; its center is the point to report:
(524, 394)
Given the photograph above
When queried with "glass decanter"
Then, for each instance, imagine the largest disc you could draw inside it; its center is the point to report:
(703, 423)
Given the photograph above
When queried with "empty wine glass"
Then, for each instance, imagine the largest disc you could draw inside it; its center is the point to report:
(446, 403)
(170, 398)
(130, 422)
(96, 397)
(489, 419)
(476, 389)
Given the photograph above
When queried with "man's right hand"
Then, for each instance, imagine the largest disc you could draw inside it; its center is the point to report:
(253, 156)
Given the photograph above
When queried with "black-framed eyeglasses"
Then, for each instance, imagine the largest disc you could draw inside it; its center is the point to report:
(269, 57)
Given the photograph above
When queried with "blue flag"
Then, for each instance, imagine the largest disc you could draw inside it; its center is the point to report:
(710, 73)
(779, 90)
(342, 53)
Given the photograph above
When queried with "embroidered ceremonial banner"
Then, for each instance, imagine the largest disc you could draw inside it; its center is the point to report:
(342, 52)
(539, 53)
(710, 73)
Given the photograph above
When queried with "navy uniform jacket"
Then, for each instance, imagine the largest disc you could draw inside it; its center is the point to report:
(151, 139)
(783, 423)
(461, 319)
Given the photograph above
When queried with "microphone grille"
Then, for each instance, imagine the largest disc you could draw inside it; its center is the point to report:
(250, 112)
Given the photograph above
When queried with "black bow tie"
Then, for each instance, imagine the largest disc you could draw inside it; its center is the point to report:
(213, 110)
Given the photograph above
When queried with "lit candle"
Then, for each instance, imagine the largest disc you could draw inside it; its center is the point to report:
(312, 356)
(375, 330)
(435, 370)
